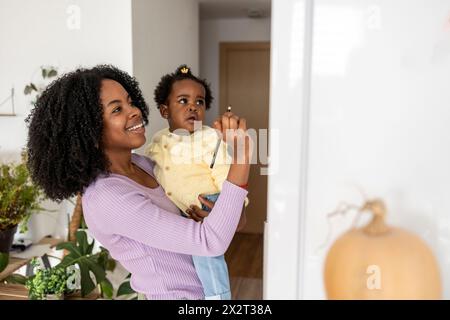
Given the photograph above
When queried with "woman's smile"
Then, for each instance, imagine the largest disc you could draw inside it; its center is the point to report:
(136, 129)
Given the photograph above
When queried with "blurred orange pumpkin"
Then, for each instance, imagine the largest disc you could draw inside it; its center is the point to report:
(381, 262)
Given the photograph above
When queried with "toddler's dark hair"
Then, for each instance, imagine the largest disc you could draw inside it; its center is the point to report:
(164, 87)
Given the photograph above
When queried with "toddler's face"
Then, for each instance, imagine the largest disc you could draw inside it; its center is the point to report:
(185, 104)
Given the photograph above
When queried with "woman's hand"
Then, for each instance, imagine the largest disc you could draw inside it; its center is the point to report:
(198, 214)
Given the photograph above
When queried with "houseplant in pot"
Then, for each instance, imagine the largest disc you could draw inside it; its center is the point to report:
(51, 283)
(19, 198)
(80, 274)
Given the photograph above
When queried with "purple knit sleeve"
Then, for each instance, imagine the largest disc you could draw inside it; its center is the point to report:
(119, 208)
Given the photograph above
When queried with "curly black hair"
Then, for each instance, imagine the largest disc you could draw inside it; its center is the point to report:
(64, 147)
(164, 87)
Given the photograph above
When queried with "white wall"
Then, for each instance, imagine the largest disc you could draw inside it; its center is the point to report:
(370, 111)
(38, 33)
(165, 35)
(214, 31)
(45, 32)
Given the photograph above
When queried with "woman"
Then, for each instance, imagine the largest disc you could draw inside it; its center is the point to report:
(81, 135)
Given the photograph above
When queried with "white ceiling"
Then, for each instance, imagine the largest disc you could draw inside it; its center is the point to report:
(216, 9)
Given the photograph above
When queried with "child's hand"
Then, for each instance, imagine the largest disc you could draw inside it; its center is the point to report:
(229, 121)
(198, 214)
(234, 133)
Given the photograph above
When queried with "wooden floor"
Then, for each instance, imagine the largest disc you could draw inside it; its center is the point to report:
(245, 266)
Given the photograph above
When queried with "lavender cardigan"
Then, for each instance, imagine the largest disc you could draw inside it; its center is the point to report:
(144, 231)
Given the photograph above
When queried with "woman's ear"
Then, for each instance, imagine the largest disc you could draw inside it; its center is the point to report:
(164, 111)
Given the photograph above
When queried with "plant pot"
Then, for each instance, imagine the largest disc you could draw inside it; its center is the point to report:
(6, 239)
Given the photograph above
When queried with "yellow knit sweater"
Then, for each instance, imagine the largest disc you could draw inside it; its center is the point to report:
(182, 164)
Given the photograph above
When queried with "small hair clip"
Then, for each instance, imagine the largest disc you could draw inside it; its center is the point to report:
(184, 70)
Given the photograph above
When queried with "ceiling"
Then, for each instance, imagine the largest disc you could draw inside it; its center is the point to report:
(216, 9)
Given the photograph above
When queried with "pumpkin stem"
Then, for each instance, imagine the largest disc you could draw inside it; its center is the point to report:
(377, 225)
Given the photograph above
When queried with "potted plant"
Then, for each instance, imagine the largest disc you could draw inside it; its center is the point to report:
(52, 283)
(19, 198)
(79, 274)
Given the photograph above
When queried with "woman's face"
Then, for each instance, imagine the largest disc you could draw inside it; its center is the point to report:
(123, 127)
(185, 104)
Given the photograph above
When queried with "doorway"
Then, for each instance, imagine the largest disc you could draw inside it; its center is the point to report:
(244, 84)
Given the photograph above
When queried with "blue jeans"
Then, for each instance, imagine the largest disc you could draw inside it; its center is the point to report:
(213, 271)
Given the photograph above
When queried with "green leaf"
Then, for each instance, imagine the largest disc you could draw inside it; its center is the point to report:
(125, 288)
(111, 265)
(4, 260)
(67, 261)
(105, 260)
(27, 90)
(16, 279)
(87, 285)
(107, 288)
(93, 265)
(69, 246)
(85, 247)
(52, 73)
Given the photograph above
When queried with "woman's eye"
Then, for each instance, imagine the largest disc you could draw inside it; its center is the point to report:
(116, 109)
